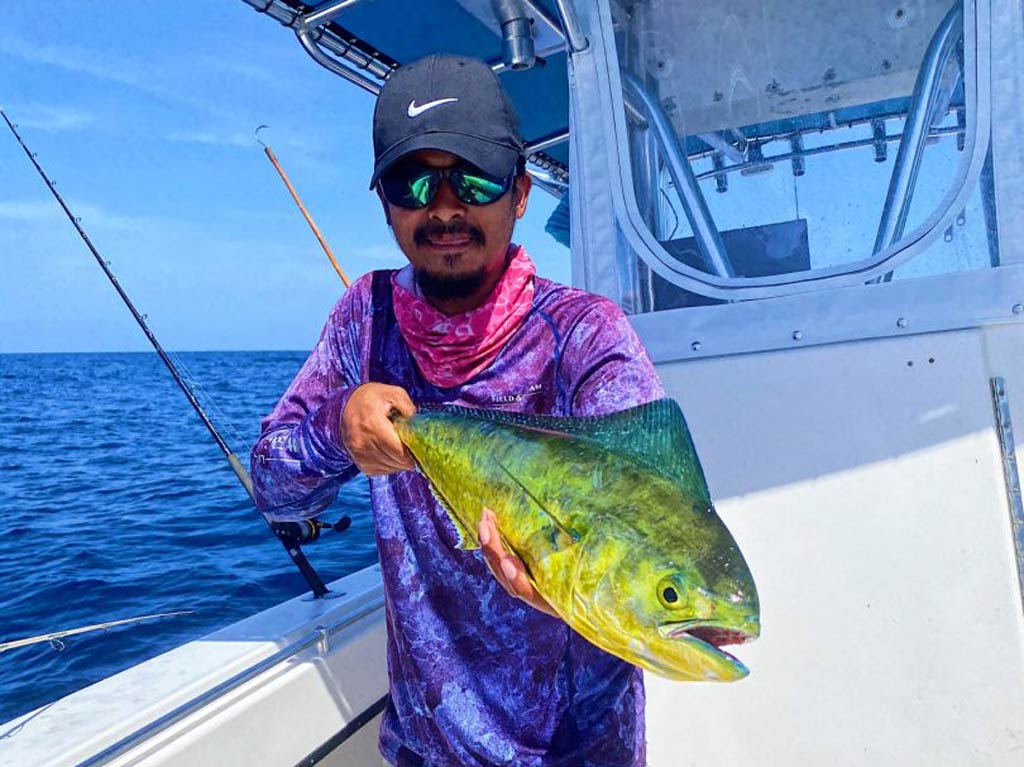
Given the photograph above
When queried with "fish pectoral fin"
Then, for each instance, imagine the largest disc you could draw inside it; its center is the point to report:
(551, 521)
(550, 539)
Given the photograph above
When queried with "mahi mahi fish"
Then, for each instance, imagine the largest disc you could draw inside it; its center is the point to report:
(613, 520)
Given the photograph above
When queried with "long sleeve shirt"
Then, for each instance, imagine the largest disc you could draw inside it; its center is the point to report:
(477, 678)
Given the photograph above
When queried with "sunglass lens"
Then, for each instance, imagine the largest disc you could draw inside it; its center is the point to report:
(477, 188)
(410, 187)
(422, 188)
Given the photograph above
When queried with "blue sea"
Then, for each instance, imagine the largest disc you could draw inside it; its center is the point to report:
(116, 502)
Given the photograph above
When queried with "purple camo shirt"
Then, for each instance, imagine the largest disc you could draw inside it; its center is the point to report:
(477, 677)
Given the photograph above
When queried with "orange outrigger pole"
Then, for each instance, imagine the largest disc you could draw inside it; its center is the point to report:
(295, 196)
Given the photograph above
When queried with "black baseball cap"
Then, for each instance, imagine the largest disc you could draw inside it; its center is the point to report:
(452, 103)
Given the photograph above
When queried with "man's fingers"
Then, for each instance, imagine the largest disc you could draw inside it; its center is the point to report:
(368, 432)
(401, 401)
(493, 551)
(393, 451)
(507, 568)
(510, 572)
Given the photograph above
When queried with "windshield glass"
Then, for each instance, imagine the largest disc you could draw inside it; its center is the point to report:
(765, 136)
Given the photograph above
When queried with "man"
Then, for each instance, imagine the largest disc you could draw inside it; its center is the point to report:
(481, 671)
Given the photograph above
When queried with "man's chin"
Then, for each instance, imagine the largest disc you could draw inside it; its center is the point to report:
(447, 285)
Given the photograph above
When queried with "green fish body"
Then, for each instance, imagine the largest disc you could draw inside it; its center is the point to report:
(613, 520)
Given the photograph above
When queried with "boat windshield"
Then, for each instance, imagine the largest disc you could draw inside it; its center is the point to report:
(772, 142)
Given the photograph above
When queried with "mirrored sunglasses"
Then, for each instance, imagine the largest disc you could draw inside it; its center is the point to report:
(416, 186)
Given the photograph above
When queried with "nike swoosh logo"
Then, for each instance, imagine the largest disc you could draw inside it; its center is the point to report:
(415, 110)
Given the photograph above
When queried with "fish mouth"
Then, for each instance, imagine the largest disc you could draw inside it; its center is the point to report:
(707, 638)
(709, 632)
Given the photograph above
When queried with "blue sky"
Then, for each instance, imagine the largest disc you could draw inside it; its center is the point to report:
(144, 115)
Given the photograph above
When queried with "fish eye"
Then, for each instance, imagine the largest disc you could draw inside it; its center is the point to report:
(670, 592)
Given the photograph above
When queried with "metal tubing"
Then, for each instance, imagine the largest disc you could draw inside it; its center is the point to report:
(863, 142)
(719, 144)
(574, 36)
(326, 40)
(326, 13)
(546, 143)
(721, 180)
(988, 206)
(916, 129)
(333, 65)
(553, 187)
(498, 65)
(195, 703)
(538, 11)
(796, 144)
(709, 241)
(1011, 475)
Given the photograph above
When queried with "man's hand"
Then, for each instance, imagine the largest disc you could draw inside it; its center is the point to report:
(367, 431)
(508, 569)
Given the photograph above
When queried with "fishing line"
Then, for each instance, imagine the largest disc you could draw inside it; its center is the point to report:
(290, 534)
(209, 401)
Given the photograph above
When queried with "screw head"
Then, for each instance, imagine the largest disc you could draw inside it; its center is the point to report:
(901, 322)
(798, 335)
(696, 346)
(1018, 308)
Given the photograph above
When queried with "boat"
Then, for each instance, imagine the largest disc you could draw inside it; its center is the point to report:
(809, 210)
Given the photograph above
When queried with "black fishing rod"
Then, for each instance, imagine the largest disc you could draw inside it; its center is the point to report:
(291, 534)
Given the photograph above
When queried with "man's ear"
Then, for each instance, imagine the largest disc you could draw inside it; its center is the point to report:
(384, 204)
(522, 193)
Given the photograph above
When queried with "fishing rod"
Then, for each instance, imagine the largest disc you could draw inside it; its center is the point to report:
(302, 208)
(291, 534)
(54, 637)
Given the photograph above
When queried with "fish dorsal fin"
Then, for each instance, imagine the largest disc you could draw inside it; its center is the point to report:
(654, 435)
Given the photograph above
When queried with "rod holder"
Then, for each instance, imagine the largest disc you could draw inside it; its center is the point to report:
(881, 145)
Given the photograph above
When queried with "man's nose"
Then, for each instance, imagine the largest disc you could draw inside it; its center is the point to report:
(445, 204)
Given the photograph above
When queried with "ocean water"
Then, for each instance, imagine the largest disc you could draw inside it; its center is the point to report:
(115, 502)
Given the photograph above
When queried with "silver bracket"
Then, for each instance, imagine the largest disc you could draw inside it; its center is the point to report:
(1004, 428)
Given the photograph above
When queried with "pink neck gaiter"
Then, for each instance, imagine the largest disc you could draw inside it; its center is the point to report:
(451, 350)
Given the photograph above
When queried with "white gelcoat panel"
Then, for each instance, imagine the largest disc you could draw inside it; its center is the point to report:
(864, 484)
(276, 718)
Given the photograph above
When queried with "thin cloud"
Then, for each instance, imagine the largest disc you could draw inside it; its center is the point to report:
(213, 138)
(27, 211)
(53, 119)
(247, 70)
(95, 63)
(47, 212)
(242, 139)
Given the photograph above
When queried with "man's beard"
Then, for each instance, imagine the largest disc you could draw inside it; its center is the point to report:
(445, 287)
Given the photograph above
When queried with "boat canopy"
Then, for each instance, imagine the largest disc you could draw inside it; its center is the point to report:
(363, 40)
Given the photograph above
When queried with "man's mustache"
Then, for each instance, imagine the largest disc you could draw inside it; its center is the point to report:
(433, 229)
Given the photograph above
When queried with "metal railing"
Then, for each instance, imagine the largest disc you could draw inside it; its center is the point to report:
(927, 90)
(709, 241)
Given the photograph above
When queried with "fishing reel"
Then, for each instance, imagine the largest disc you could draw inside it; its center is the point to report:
(307, 530)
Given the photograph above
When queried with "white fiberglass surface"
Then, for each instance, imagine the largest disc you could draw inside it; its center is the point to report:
(864, 484)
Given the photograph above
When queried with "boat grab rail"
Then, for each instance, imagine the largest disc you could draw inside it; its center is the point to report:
(324, 46)
(319, 635)
(709, 241)
(916, 128)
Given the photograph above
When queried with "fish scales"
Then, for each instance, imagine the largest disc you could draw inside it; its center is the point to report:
(612, 519)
